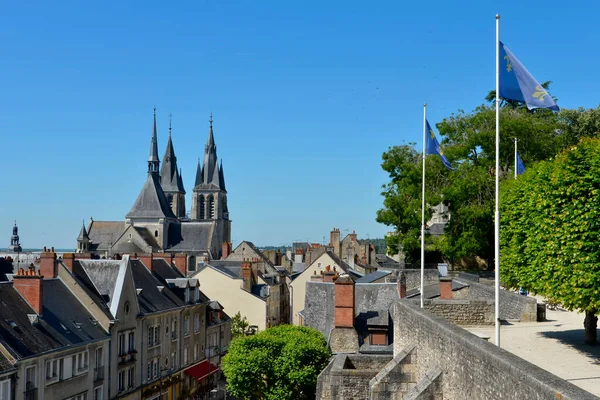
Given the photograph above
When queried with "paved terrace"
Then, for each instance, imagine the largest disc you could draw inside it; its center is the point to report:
(555, 345)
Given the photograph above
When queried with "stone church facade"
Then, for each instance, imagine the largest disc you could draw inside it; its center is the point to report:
(158, 221)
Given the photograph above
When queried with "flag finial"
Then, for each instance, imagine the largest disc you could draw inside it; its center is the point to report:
(497, 16)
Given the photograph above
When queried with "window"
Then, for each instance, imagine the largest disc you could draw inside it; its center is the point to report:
(5, 389)
(30, 378)
(222, 334)
(196, 322)
(173, 358)
(52, 370)
(131, 341)
(122, 380)
(197, 294)
(187, 295)
(174, 329)
(153, 335)
(186, 325)
(202, 207)
(130, 378)
(98, 393)
(81, 361)
(155, 233)
(157, 335)
(121, 344)
(149, 371)
(156, 365)
(150, 336)
(99, 358)
(80, 396)
(195, 351)
(185, 355)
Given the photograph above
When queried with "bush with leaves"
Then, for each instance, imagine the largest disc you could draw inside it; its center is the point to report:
(550, 231)
(279, 363)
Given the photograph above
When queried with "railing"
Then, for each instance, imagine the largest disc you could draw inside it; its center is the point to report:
(127, 358)
(30, 392)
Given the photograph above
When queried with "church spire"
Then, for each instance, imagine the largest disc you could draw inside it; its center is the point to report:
(211, 139)
(153, 161)
(199, 174)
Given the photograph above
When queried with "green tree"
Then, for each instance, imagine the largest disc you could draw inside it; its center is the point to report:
(240, 326)
(550, 235)
(279, 363)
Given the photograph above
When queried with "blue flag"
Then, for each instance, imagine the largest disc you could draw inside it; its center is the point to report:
(432, 146)
(516, 83)
(520, 165)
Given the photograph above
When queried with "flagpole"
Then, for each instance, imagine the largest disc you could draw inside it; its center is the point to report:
(515, 158)
(497, 213)
(423, 205)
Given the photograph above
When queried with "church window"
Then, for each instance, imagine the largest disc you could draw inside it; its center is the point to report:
(202, 205)
(170, 199)
(155, 233)
(211, 206)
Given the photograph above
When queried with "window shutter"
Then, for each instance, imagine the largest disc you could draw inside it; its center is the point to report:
(67, 367)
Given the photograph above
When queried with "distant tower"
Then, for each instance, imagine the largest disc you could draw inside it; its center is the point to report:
(171, 181)
(83, 240)
(15, 246)
(209, 200)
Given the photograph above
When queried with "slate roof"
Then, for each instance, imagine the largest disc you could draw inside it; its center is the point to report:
(148, 237)
(436, 228)
(104, 233)
(151, 202)
(82, 233)
(64, 321)
(373, 276)
(150, 297)
(5, 365)
(190, 236)
(231, 268)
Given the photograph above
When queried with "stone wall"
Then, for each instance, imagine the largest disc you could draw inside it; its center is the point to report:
(413, 277)
(512, 305)
(347, 376)
(462, 312)
(473, 368)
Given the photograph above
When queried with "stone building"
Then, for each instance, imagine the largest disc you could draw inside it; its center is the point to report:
(158, 222)
(15, 245)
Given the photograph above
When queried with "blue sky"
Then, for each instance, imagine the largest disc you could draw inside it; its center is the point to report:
(305, 97)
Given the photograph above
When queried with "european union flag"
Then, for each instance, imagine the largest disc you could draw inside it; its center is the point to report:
(516, 83)
(432, 146)
(520, 165)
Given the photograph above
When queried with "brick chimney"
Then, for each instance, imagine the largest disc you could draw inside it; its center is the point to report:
(334, 241)
(68, 260)
(180, 262)
(225, 250)
(48, 263)
(316, 277)
(344, 302)
(401, 285)
(330, 274)
(147, 260)
(446, 288)
(353, 236)
(31, 287)
(247, 275)
(299, 255)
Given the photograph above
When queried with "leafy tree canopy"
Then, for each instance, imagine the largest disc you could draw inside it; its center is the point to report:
(550, 236)
(278, 363)
(468, 191)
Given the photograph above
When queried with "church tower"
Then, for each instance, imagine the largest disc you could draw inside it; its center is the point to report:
(209, 200)
(83, 240)
(14, 240)
(171, 181)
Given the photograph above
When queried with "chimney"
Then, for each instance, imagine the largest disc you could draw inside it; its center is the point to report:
(31, 287)
(147, 260)
(316, 277)
(247, 275)
(299, 253)
(344, 302)
(288, 254)
(68, 260)
(401, 285)
(353, 236)
(225, 250)
(446, 288)
(278, 258)
(48, 263)
(180, 262)
(334, 241)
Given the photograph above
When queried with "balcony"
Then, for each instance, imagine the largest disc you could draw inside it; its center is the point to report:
(30, 392)
(127, 358)
(98, 374)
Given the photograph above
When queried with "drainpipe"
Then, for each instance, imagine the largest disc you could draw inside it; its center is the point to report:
(291, 304)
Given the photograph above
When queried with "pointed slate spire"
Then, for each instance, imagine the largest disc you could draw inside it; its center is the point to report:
(211, 139)
(222, 177)
(210, 167)
(153, 160)
(83, 235)
(180, 181)
(169, 173)
(199, 174)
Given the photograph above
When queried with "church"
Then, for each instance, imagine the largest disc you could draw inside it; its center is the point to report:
(158, 222)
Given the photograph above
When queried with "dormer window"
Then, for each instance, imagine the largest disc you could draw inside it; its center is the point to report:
(187, 294)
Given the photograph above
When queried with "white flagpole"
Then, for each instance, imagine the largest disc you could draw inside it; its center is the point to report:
(423, 205)
(515, 158)
(497, 213)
